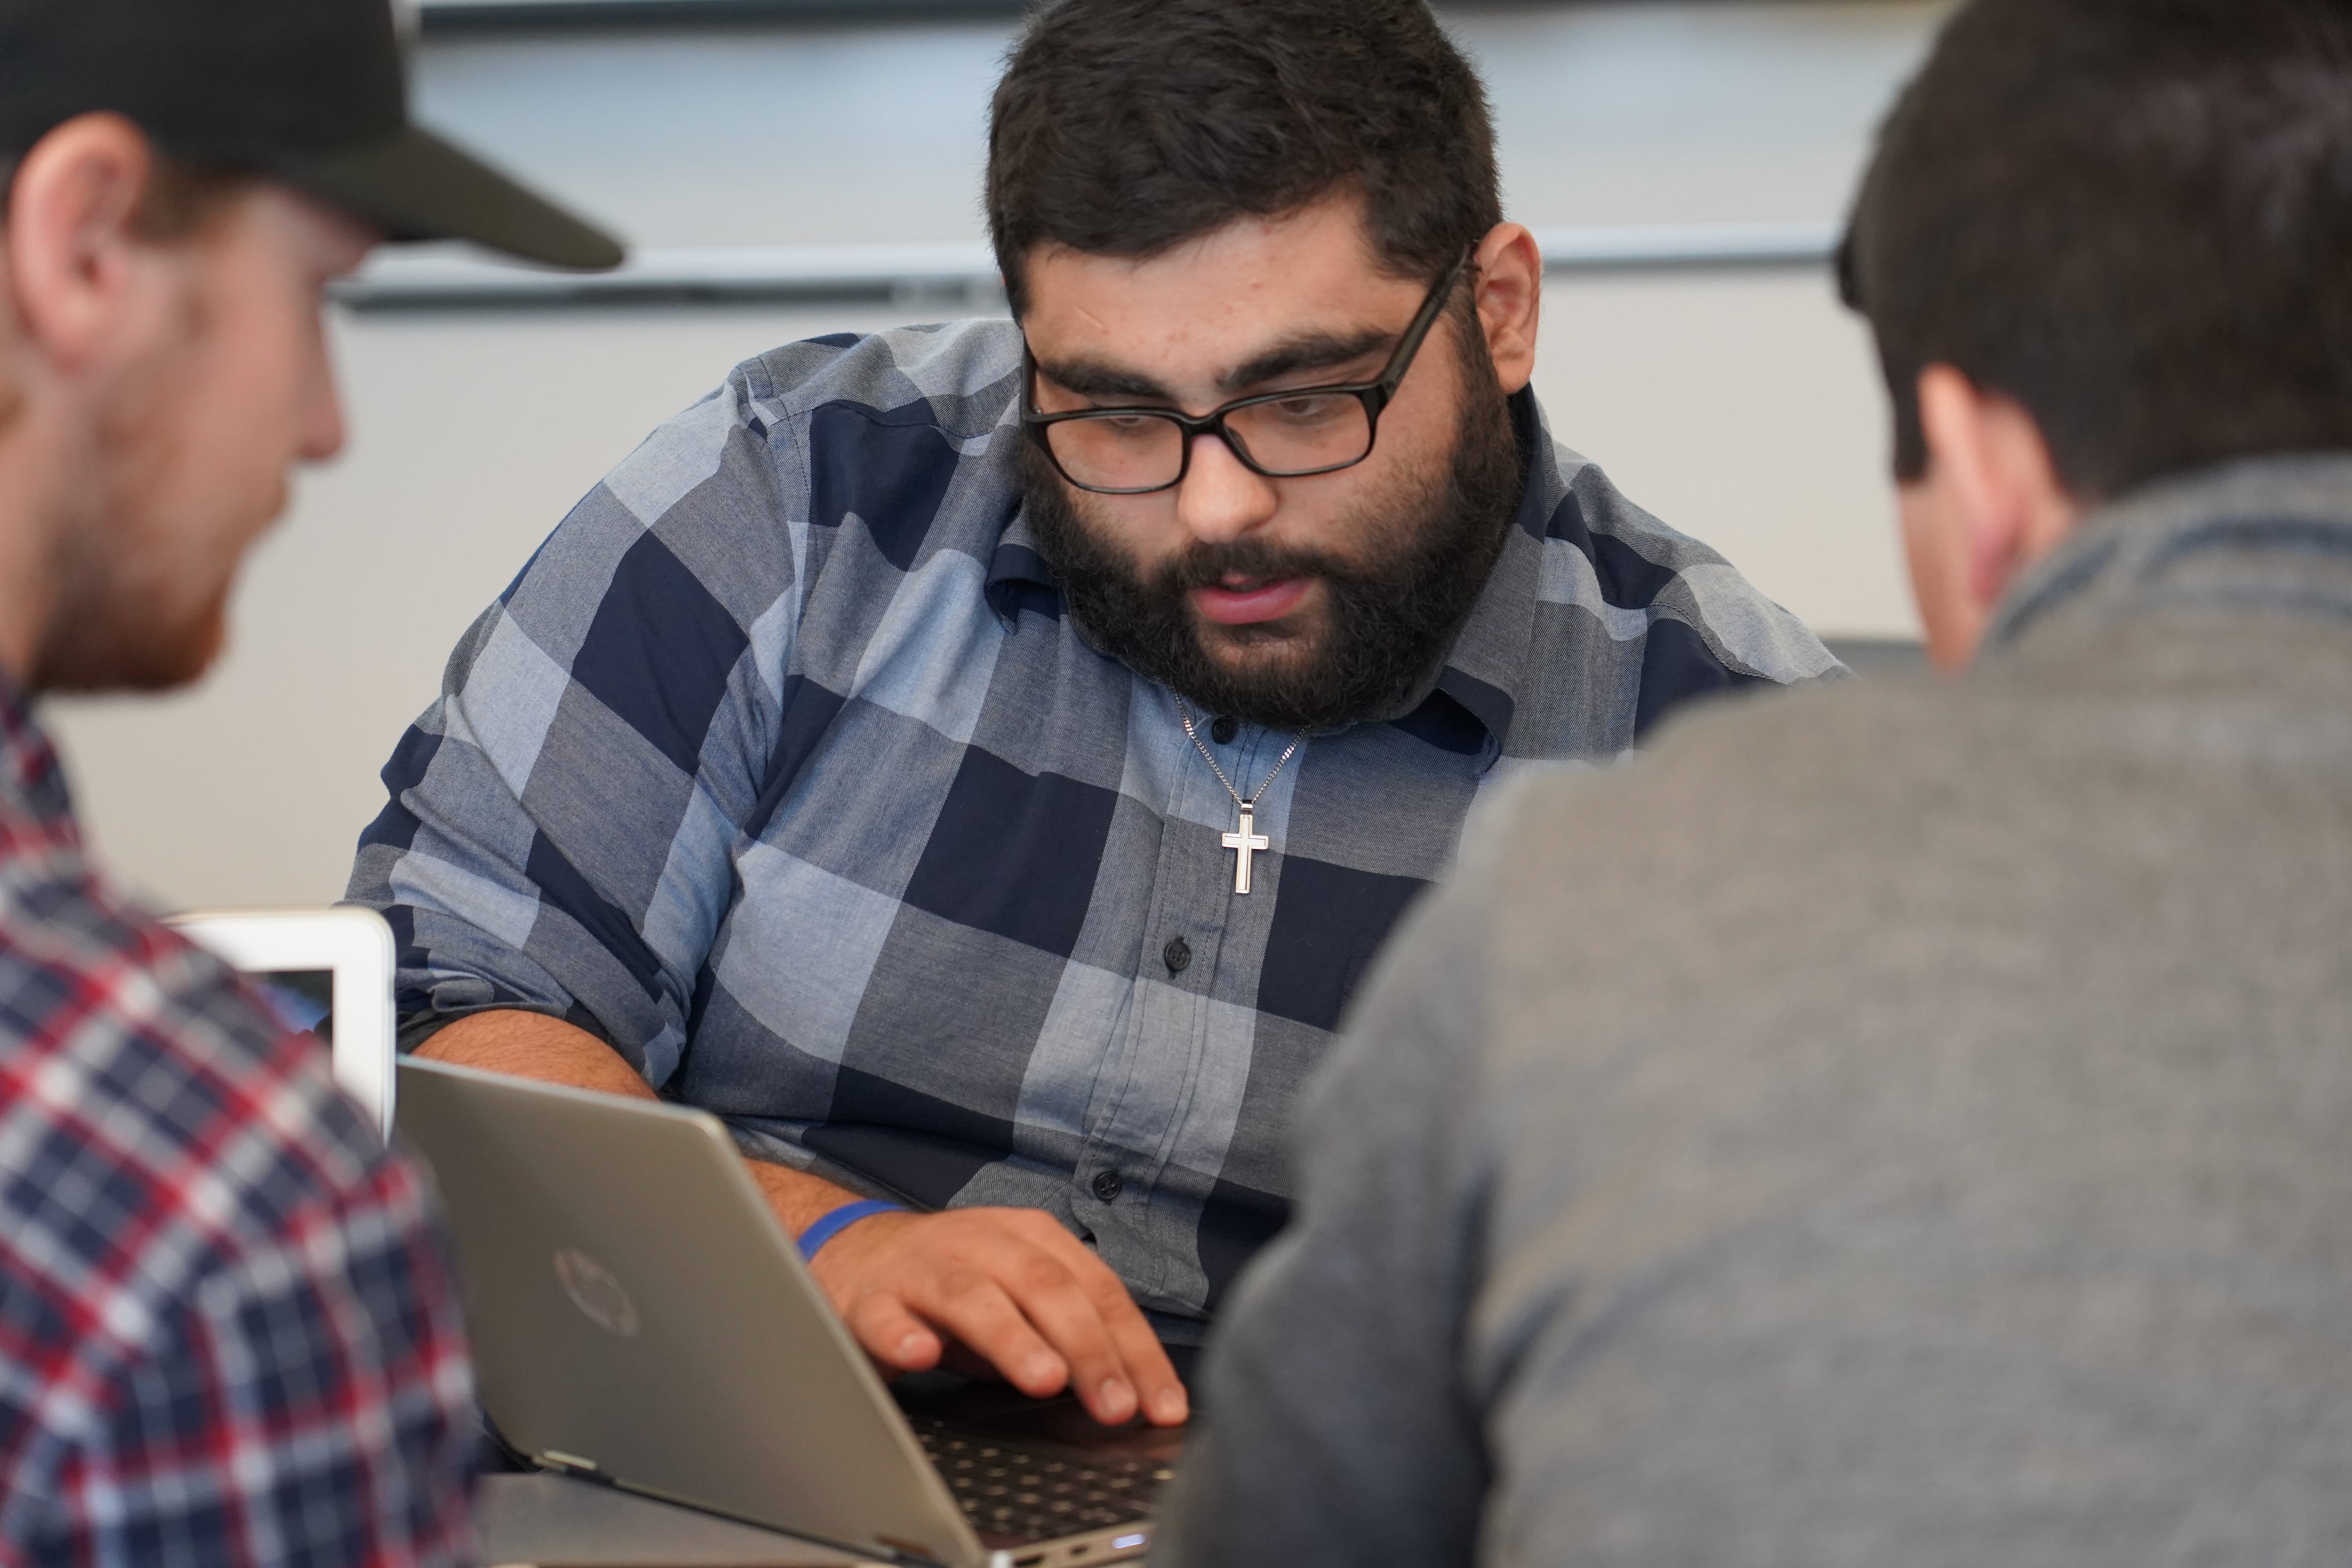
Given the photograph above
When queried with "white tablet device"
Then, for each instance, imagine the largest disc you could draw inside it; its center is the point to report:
(328, 971)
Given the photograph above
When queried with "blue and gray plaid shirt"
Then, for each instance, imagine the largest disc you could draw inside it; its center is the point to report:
(780, 769)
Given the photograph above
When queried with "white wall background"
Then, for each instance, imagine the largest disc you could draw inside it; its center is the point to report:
(1741, 406)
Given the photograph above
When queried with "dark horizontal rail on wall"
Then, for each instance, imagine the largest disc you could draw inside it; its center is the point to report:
(474, 17)
(448, 18)
(959, 277)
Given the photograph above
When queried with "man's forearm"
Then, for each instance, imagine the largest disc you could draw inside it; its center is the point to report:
(534, 1046)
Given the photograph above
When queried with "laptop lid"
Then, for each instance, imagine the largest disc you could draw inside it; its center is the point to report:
(325, 970)
(637, 1314)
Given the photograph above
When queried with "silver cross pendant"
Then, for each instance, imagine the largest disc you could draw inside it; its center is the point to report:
(1243, 844)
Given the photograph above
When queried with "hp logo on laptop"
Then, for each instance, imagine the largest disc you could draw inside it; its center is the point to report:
(595, 1291)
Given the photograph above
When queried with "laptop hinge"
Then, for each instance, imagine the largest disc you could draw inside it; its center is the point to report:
(565, 1464)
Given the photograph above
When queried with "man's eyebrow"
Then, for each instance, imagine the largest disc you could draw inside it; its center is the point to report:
(1314, 351)
(1092, 378)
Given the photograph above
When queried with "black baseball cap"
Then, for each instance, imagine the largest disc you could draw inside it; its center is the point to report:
(310, 92)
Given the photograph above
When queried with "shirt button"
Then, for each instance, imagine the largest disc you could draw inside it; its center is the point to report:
(1224, 730)
(1178, 953)
(1107, 1185)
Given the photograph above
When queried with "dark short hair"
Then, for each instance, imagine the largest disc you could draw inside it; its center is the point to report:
(1126, 127)
(2132, 217)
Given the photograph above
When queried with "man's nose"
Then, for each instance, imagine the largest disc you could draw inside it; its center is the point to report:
(1220, 500)
(322, 421)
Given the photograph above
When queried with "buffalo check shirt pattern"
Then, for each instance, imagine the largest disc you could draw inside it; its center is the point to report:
(227, 1332)
(780, 769)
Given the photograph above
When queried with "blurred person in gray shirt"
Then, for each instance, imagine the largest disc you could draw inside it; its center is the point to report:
(1938, 1157)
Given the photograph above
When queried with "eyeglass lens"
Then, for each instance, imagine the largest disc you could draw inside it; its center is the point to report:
(1146, 451)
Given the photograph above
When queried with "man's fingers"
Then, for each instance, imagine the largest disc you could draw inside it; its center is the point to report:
(892, 1335)
(1012, 1287)
(974, 1307)
(1159, 1392)
(1064, 1310)
(1125, 1372)
(1147, 1381)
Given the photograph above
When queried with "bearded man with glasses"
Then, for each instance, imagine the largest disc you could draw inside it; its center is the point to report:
(979, 761)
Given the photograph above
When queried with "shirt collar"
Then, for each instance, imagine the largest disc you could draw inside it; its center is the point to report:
(30, 778)
(1489, 656)
(1479, 686)
(1018, 578)
(2267, 532)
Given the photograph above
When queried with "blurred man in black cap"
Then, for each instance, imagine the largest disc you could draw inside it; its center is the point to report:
(226, 1330)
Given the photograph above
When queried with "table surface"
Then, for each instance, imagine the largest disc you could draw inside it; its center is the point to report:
(553, 1521)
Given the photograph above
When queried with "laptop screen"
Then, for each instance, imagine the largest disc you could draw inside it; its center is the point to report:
(299, 998)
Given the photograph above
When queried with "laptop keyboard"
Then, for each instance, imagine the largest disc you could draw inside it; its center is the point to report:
(1007, 1491)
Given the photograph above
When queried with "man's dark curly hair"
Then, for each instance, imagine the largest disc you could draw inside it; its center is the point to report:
(2132, 217)
(1125, 127)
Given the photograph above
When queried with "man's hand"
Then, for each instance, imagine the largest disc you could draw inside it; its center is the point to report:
(1009, 1285)
(1014, 1287)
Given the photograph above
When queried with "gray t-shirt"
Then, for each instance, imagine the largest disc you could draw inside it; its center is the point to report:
(1904, 1124)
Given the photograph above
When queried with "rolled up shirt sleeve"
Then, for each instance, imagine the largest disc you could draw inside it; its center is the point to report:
(558, 825)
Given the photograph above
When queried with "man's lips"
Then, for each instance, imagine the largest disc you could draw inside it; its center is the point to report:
(1245, 601)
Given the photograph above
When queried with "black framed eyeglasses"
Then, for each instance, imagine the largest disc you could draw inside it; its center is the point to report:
(1285, 435)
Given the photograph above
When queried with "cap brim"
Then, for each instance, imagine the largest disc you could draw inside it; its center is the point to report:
(417, 186)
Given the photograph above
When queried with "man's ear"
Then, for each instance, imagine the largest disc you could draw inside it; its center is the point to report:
(1509, 284)
(74, 264)
(1989, 457)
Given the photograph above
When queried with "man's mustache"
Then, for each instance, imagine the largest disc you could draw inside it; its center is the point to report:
(1204, 565)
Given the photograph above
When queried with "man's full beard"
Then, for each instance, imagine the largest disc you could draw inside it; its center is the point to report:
(113, 628)
(1390, 609)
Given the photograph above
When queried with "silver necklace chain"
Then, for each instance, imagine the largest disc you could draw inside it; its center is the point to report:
(1249, 805)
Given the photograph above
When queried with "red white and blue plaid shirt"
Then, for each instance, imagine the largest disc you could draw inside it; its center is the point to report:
(227, 1330)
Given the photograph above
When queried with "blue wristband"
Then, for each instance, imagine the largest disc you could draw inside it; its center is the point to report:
(833, 1224)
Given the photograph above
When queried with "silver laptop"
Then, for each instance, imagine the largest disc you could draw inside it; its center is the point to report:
(639, 1317)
